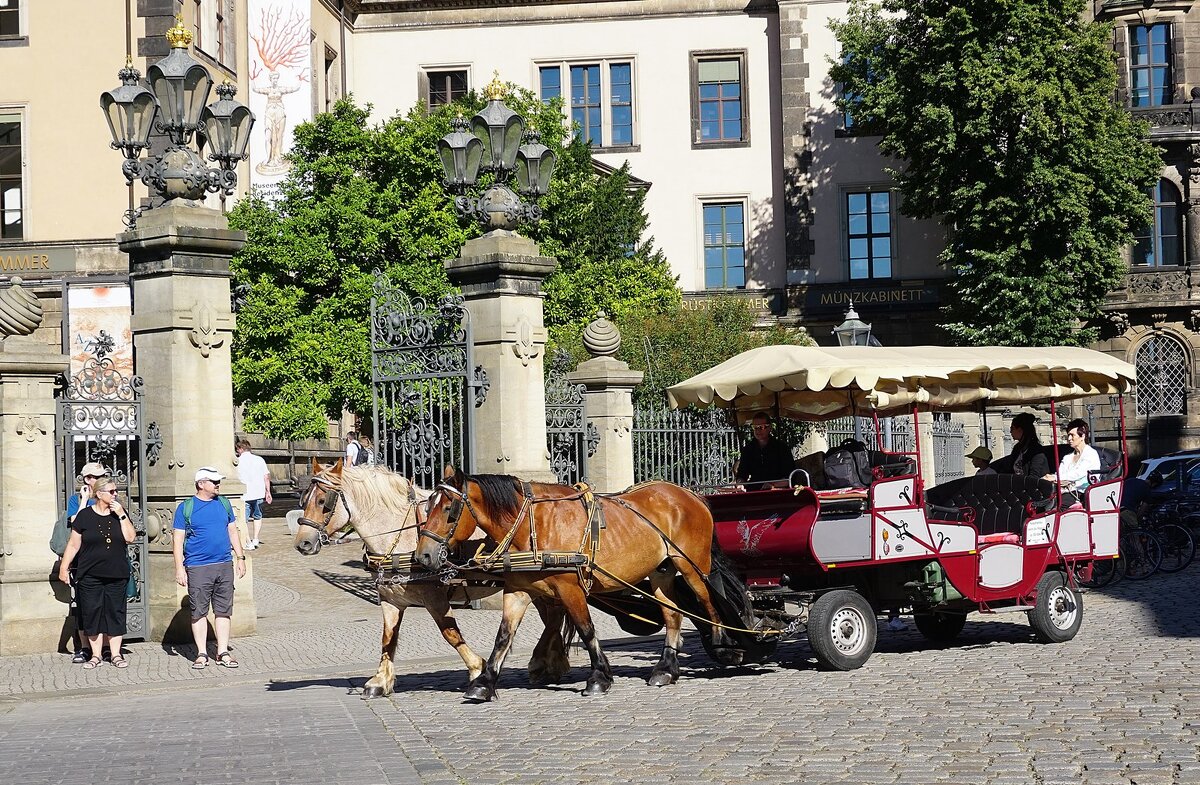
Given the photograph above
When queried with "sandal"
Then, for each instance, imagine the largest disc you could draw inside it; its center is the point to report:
(200, 663)
(226, 659)
(119, 662)
(93, 663)
(80, 657)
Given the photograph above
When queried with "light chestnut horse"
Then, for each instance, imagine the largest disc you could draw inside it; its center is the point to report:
(381, 506)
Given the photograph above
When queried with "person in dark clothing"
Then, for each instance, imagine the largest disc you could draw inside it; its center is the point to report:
(1136, 491)
(1027, 457)
(764, 460)
(99, 536)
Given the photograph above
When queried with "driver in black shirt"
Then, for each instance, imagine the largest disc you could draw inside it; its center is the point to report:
(765, 461)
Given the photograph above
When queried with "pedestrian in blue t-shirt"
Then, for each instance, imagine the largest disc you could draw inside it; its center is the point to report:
(206, 538)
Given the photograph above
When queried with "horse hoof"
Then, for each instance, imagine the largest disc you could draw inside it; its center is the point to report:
(595, 688)
(540, 679)
(730, 656)
(661, 680)
(372, 692)
(479, 693)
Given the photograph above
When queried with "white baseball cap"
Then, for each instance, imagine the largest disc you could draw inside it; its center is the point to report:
(209, 473)
(93, 469)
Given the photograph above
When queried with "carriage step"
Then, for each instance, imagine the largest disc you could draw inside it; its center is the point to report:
(1011, 609)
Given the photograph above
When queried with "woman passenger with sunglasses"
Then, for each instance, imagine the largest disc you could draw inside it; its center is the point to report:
(97, 548)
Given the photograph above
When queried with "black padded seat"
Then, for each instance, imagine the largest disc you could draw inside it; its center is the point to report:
(891, 465)
(1111, 461)
(998, 500)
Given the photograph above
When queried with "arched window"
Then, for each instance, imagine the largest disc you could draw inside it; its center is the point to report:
(1159, 243)
(1162, 369)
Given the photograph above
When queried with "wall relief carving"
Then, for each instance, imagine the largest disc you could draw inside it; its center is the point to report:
(1157, 283)
(204, 335)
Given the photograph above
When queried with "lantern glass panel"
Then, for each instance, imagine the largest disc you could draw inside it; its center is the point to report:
(242, 120)
(196, 86)
(513, 133)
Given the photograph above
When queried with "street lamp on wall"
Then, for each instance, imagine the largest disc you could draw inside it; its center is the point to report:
(175, 106)
(853, 331)
(494, 145)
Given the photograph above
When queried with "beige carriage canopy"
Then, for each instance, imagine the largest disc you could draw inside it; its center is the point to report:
(820, 382)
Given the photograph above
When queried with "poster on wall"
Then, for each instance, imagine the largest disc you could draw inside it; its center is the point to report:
(279, 31)
(98, 329)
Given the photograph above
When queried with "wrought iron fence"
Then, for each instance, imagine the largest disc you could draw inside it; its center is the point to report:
(949, 449)
(570, 437)
(695, 449)
(897, 432)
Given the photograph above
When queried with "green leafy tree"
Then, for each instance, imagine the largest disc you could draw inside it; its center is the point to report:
(362, 197)
(1002, 116)
(673, 345)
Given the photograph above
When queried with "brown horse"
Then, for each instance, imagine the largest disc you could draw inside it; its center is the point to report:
(381, 506)
(651, 531)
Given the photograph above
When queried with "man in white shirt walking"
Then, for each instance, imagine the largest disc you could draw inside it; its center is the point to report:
(252, 471)
(352, 448)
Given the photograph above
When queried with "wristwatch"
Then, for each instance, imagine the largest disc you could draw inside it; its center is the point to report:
(241, 558)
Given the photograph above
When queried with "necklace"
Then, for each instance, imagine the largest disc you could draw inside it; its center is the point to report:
(109, 533)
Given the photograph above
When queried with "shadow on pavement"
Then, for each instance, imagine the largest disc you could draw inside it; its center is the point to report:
(1167, 597)
(360, 586)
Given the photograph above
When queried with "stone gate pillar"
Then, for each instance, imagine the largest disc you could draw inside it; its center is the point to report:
(501, 276)
(31, 616)
(182, 331)
(608, 401)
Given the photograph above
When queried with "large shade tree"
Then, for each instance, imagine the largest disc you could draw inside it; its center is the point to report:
(1001, 117)
(364, 196)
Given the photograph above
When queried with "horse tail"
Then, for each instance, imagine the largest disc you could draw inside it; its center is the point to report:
(724, 580)
(568, 631)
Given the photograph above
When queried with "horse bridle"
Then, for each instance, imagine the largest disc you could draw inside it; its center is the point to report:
(453, 515)
(333, 495)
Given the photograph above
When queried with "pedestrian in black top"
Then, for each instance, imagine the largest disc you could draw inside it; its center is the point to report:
(99, 536)
(1027, 457)
(764, 460)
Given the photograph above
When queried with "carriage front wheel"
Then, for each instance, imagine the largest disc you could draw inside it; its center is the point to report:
(1058, 610)
(842, 630)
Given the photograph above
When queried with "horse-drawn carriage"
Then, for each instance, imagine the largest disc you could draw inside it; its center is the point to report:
(994, 543)
(753, 568)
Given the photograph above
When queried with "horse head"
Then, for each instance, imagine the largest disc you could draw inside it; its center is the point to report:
(450, 520)
(325, 510)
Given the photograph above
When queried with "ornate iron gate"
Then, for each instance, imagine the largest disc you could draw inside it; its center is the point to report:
(949, 448)
(425, 385)
(570, 437)
(100, 419)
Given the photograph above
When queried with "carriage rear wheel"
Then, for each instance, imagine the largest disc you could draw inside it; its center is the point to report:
(842, 630)
(939, 626)
(1057, 612)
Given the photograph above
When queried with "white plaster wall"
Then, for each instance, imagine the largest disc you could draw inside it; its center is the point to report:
(386, 63)
(844, 163)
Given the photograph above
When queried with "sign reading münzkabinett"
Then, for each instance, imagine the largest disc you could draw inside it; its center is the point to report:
(825, 298)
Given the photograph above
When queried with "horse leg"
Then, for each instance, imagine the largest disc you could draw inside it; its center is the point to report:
(667, 670)
(437, 602)
(382, 683)
(483, 687)
(575, 601)
(550, 661)
(727, 654)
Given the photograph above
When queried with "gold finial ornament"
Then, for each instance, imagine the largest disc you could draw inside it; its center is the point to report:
(495, 90)
(179, 36)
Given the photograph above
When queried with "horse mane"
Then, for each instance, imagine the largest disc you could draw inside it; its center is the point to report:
(501, 499)
(378, 493)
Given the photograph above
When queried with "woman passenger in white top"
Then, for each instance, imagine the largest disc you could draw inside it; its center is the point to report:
(1075, 465)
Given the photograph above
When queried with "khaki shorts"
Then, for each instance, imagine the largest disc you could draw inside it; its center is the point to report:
(210, 584)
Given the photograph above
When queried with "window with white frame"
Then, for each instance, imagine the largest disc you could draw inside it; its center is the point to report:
(598, 95)
(869, 233)
(719, 99)
(213, 30)
(1150, 79)
(12, 201)
(1158, 243)
(724, 245)
(10, 18)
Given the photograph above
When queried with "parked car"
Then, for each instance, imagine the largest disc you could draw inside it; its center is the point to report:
(1167, 464)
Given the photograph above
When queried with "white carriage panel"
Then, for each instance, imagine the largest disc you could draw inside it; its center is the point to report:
(1001, 565)
(1104, 496)
(842, 539)
(899, 542)
(1106, 527)
(893, 493)
(952, 538)
(1073, 537)
(1039, 531)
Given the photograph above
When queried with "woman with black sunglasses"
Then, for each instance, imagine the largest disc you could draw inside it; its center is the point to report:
(97, 546)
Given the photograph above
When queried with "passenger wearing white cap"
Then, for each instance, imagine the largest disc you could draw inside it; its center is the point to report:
(981, 457)
(84, 497)
(205, 543)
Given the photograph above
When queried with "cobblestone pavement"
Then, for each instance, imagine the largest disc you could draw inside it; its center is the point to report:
(1118, 705)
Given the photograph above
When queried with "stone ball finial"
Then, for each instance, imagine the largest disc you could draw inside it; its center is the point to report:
(601, 338)
(20, 311)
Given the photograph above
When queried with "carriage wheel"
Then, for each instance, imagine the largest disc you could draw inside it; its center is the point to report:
(1057, 612)
(842, 630)
(940, 627)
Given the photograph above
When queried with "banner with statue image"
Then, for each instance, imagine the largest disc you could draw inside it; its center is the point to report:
(280, 85)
